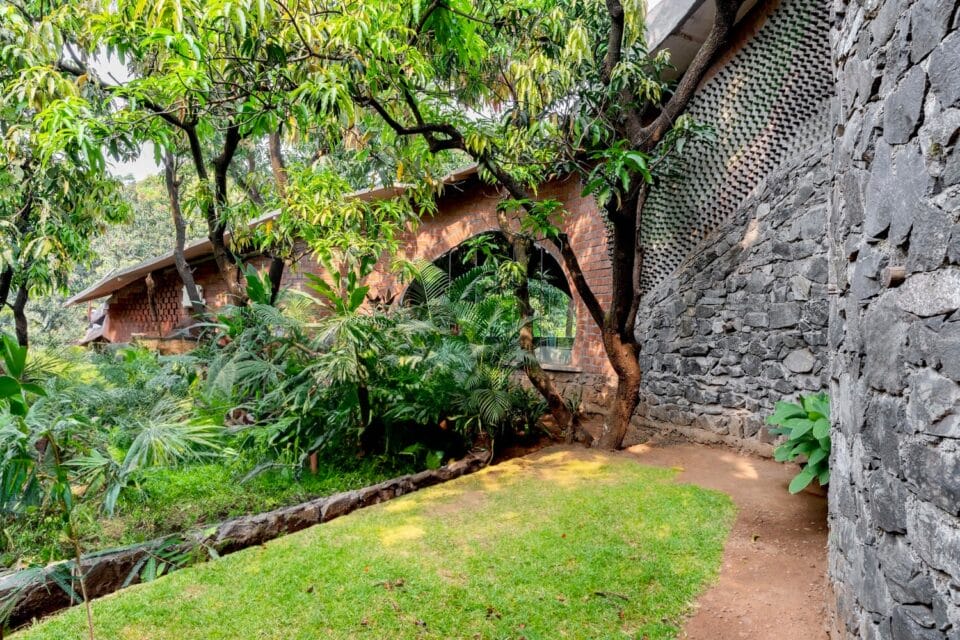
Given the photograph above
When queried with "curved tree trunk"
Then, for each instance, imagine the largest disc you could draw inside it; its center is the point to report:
(566, 420)
(279, 170)
(6, 279)
(180, 228)
(20, 316)
(623, 355)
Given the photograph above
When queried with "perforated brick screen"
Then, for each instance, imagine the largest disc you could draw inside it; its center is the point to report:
(769, 102)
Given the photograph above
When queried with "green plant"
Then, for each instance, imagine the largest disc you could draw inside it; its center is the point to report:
(807, 428)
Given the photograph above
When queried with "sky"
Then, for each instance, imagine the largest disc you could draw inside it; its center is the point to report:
(144, 165)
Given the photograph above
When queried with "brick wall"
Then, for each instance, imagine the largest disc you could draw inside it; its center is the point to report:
(464, 211)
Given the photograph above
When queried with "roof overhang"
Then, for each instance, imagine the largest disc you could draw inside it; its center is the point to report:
(203, 248)
(682, 26)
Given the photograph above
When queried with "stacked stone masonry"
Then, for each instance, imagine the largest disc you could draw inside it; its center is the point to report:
(735, 268)
(895, 376)
(743, 322)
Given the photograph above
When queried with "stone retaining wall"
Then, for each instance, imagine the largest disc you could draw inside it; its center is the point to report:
(109, 571)
(743, 322)
(895, 326)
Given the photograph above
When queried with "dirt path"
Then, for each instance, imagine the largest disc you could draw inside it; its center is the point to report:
(772, 583)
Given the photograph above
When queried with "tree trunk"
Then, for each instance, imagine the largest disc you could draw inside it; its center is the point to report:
(279, 169)
(6, 279)
(180, 228)
(522, 248)
(623, 355)
(276, 278)
(216, 206)
(20, 316)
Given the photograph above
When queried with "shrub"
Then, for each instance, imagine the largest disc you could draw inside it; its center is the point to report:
(807, 428)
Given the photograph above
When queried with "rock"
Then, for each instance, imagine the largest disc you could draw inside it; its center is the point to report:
(933, 473)
(944, 70)
(756, 319)
(887, 505)
(947, 342)
(800, 361)
(930, 294)
(901, 110)
(884, 338)
(929, 20)
(934, 404)
(929, 239)
(784, 315)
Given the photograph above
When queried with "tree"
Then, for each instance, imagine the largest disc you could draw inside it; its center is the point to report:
(527, 89)
(190, 89)
(55, 195)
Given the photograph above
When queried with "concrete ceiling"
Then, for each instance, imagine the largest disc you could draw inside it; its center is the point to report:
(681, 26)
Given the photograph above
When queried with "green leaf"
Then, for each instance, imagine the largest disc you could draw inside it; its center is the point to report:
(9, 387)
(816, 457)
(801, 480)
(800, 427)
(821, 428)
(35, 389)
(14, 356)
(784, 411)
(783, 452)
(357, 297)
(824, 477)
(817, 406)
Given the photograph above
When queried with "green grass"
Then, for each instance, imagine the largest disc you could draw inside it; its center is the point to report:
(572, 545)
(174, 500)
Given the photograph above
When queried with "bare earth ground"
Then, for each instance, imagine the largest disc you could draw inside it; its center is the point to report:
(772, 581)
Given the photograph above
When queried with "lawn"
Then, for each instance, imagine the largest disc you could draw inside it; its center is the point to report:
(175, 500)
(573, 544)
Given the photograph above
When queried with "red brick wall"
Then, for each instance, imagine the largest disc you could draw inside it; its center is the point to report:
(464, 211)
(129, 312)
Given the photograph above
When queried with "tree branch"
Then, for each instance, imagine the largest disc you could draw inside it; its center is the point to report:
(614, 39)
(719, 36)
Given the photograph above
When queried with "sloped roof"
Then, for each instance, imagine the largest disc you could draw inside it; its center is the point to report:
(203, 248)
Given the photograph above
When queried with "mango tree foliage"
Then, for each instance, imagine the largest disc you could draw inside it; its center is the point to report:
(55, 195)
(528, 89)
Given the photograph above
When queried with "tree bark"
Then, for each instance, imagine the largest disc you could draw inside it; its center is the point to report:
(623, 357)
(20, 316)
(277, 265)
(216, 206)
(522, 247)
(279, 170)
(6, 279)
(180, 228)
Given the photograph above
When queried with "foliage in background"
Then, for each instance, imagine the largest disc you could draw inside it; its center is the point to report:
(807, 429)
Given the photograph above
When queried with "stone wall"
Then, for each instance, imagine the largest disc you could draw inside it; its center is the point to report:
(734, 309)
(895, 324)
(743, 322)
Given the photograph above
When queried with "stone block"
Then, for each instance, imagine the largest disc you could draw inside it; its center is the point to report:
(800, 361)
(756, 319)
(933, 473)
(944, 70)
(884, 338)
(901, 110)
(930, 294)
(929, 239)
(934, 404)
(784, 315)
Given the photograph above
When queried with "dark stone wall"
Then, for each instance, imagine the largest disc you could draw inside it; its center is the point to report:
(734, 306)
(743, 322)
(895, 485)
